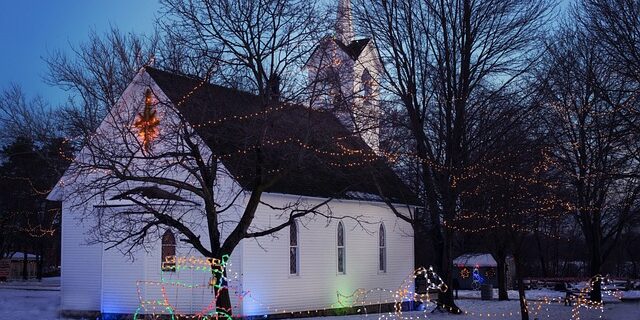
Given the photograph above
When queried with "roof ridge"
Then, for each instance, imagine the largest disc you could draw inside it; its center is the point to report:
(190, 77)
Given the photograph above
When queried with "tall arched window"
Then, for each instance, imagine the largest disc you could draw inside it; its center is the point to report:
(367, 85)
(293, 248)
(382, 249)
(168, 251)
(341, 249)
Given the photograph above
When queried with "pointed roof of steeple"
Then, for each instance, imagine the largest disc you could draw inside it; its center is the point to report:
(344, 23)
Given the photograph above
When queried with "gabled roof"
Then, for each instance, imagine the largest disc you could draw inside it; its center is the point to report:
(354, 48)
(310, 151)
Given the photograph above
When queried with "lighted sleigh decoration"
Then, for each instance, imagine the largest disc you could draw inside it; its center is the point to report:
(160, 304)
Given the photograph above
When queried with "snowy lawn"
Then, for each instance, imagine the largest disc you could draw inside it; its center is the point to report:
(18, 304)
(41, 301)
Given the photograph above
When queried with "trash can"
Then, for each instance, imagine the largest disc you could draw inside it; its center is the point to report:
(486, 291)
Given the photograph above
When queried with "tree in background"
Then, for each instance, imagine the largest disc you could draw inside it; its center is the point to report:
(590, 113)
(96, 74)
(250, 43)
(28, 172)
(446, 63)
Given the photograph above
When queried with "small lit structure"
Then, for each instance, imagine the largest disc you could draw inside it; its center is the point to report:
(473, 269)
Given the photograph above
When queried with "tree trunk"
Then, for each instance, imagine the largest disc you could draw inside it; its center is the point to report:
(543, 264)
(595, 267)
(25, 270)
(502, 276)
(221, 290)
(420, 241)
(446, 299)
(39, 267)
(521, 294)
(223, 302)
(40, 260)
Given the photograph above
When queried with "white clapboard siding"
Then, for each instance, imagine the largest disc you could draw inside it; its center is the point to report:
(119, 276)
(266, 261)
(81, 277)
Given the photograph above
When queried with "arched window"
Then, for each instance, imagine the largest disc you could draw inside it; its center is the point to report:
(293, 249)
(168, 251)
(341, 249)
(367, 85)
(382, 249)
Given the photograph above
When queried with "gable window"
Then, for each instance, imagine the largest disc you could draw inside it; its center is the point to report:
(294, 249)
(367, 85)
(168, 251)
(382, 249)
(341, 249)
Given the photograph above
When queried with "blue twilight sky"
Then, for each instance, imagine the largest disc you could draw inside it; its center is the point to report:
(29, 29)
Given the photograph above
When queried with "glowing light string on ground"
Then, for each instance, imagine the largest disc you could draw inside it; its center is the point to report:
(357, 299)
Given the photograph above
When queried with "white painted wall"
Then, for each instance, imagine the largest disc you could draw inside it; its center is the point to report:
(266, 261)
(81, 277)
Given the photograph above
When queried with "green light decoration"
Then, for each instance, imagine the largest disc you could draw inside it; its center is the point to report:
(160, 308)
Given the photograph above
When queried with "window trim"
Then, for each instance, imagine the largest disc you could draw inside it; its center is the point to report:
(382, 249)
(297, 248)
(171, 244)
(343, 247)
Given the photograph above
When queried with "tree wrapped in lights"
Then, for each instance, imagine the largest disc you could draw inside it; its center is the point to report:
(449, 84)
(593, 107)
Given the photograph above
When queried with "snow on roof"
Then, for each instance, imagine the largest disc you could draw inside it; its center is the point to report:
(20, 256)
(475, 260)
(363, 196)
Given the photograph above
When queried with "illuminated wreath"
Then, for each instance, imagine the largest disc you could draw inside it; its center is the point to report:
(490, 273)
(464, 273)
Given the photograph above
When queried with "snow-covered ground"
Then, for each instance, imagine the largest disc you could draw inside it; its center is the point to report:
(18, 304)
(41, 301)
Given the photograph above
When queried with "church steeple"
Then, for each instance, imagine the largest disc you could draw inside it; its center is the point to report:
(344, 24)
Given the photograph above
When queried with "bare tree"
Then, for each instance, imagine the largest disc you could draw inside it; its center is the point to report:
(589, 114)
(250, 41)
(614, 27)
(445, 61)
(96, 74)
(21, 116)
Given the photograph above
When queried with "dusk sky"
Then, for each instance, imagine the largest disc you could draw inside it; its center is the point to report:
(29, 29)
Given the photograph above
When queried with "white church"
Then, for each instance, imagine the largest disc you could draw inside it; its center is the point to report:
(136, 211)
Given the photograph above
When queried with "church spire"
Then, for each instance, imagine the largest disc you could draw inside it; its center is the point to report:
(344, 25)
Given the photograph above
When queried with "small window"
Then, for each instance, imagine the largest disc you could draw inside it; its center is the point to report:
(382, 250)
(367, 85)
(294, 249)
(341, 249)
(168, 252)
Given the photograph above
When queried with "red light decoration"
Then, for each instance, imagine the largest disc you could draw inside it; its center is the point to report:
(147, 122)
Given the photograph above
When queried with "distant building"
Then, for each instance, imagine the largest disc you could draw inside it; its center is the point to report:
(12, 267)
(473, 269)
